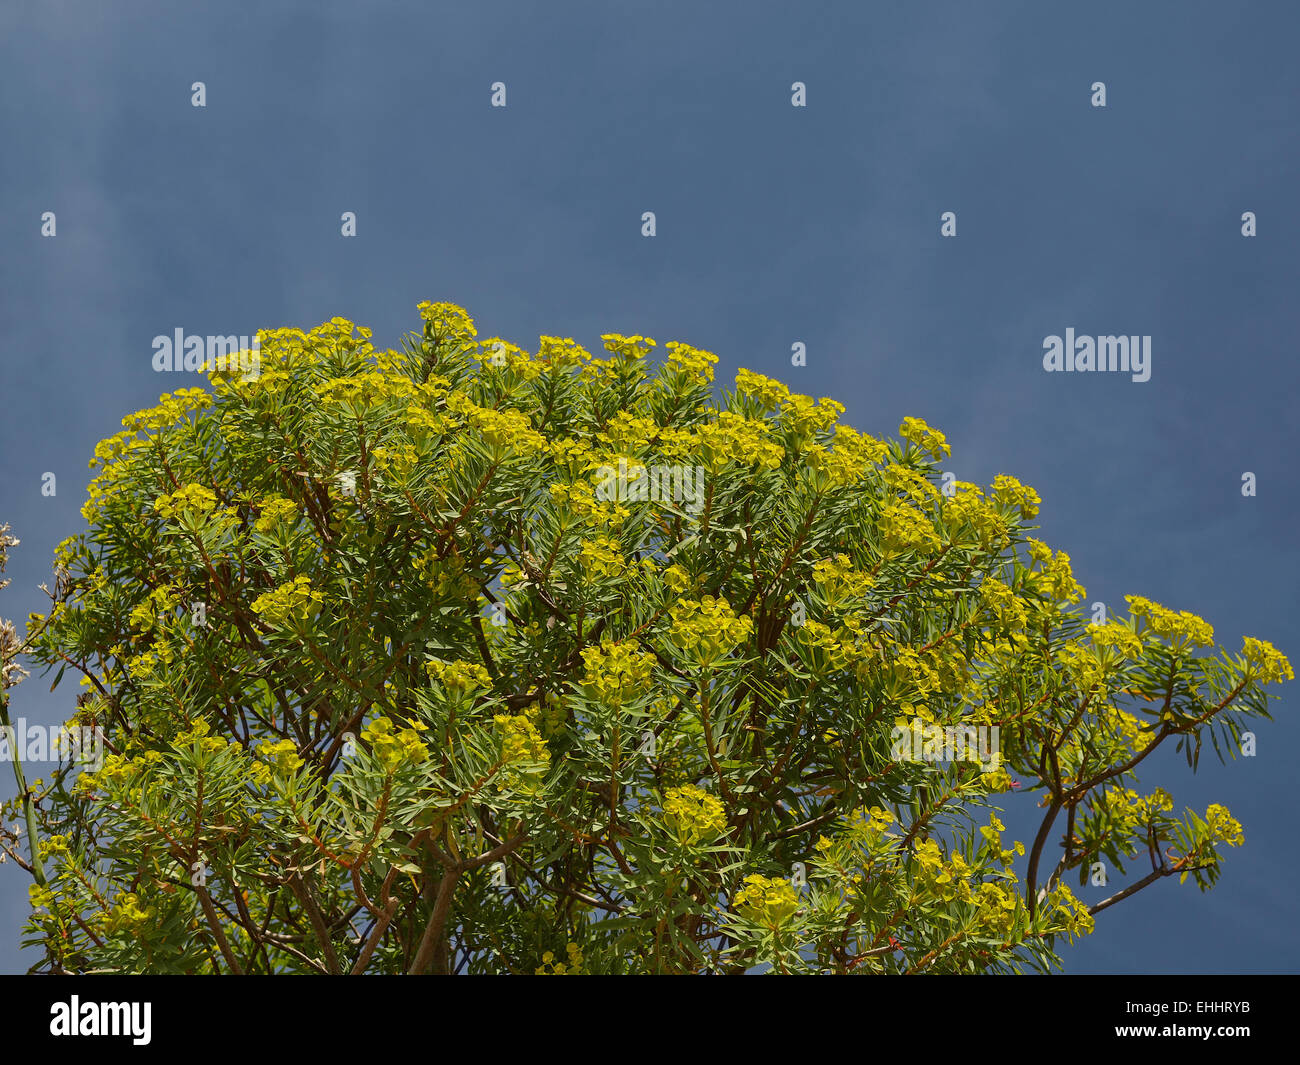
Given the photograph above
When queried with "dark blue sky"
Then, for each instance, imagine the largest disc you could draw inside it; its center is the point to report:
(775, 224)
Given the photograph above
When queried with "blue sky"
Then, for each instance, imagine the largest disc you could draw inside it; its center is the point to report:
(775, 225)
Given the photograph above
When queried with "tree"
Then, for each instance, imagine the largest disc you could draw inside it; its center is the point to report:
(464, 659)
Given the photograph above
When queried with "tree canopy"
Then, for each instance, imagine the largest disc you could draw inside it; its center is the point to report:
(463, 658)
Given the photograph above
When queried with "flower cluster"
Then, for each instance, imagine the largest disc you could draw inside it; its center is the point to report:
(1223, 826)
(731, 439)
(394, 747)
(967, 506)
(617, 673)
(676, 578)
(1010, 492)
(601, 558)
(521, 742)
(847, 462)
(172, 407)
(709, 629)
(991, 833)
(580, 500)
(767, 901)
(190, 497)
(360, 390)
(281, 756)
(691, 360)
(865, 839)
(627, 432)
(630, 349)
(1055, 578)
(503, 429)
(275, 510)
(839, 581)
(996, 903)
(112, 449)
(290, 603)
(561, 353)
(835, 649)
(1131, 812)
(158, 604)
(927, 439)
(912, 484)
(448, 321)
(1268, 663)
(805, 418)
(769, 393)
(1179, 627)
(1071, 914)
(1120, 638)
(693, 815)
(128, 915)
(501, 354)
(904, 528)
(571, 966)
(947, 880)
(459, 676)
(1002, 604)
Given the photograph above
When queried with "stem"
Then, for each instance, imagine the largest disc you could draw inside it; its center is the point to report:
(29, 809)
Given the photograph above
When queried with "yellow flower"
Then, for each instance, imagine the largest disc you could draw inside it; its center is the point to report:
(691, 360)
(904, 528)
(707, 630)
(617, 673)
(54, 847)
(838, 579)
(448, 320)
(1266, 661)
(601, 558)
(731, 439)
(693, 815)
(804, 418)
(1010, 492)
(1223, 826)
(572, 966)
(521, 743)
(282, 755)
(767, 901)
(1177, 627)
(1072, 917)
(676, 578)
(292, 602)
(129, 915)
(627, 348)
(561, 353)
(929, 440)
(580, 501)
(928, 856)
(191, 497)
(459, 676)
(394, 747)
(275, 510)
(1126, 643)
(360, 391)
(769, 393)
(501, 429)
(1056, 580)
